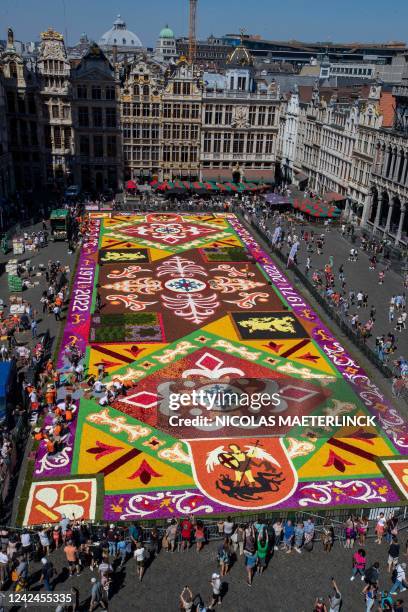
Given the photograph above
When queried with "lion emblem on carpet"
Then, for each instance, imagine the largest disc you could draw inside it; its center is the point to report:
(284, 324)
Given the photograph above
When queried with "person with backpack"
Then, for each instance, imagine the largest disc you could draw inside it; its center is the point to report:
(372, 574)
(359, 564)
(393, 554)
(224, 557)
(398, 579)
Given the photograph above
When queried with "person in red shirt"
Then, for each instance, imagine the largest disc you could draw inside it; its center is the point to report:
(186, 527)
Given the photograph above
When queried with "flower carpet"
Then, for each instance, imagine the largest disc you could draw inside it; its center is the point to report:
(192, 302)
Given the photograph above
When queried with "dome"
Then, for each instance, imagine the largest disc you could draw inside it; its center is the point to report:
(166, 33)
(120, 36)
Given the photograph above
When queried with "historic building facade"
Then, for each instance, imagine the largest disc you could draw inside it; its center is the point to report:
(97, 163)
(55, 111)
(141, 119)
(22, 112)
(6, 166)
(387, 212)
(240, 123)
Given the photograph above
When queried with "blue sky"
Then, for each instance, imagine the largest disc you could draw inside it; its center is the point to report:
(348, 20)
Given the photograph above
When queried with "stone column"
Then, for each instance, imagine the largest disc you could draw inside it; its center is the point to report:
(387, 225)
(404, 169)
(396, 167)
(385, 163)
(367, 210)
(378, 213)
(401, 223)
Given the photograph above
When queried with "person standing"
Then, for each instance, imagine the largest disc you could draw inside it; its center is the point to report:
(335, 599)
(140, 556)
(96, 595)
(71, 553)
(393, 554)
(359, 564)
(47, 573)
(215, 583)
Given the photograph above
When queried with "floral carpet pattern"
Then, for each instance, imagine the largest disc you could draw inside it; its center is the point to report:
(191, 302)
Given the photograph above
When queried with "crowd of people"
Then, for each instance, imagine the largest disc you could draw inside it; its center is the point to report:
(103, 552)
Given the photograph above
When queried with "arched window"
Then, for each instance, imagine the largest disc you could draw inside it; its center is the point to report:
(136, 90)
(145, 90)
(123, 41)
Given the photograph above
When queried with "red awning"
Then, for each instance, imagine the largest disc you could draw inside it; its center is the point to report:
(131, 185)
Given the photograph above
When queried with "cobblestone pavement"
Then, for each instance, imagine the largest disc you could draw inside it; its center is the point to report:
(358, 277)
(289, 584)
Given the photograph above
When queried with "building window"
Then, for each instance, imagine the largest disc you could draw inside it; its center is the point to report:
(252, 115)
(155, 131)
(217, 142)
(259, 143)
(228, 114)
(98, 146)
(126, 131)
(194, 132)
(66, 112)
(155, 153)
(136, 110)
(271, 116)
(195, 111)
(146, 131)
(136, 91)
(176, 131)
(55, 111)
(186, 89)
(146, 110)
(242, 83)
(96, 92)
(269, 144)
(167, 111)
(176, 111)
(186, 111)
(136, 131)
(167, 131)
(83, 117)
(261, 115)
(184, 155)
(175, 156)
(146, 91)
(110, 93)
(155, 110)
(67, 138)
(82, 92)
(96, 116)
(177, 88)
(57, 137)
(218, 114)
(166, 153)
(193, 155)
(207, 143)
(238, 143)
(127, 153)
(146, 154)
(137, 153)
(126, 109)
(250, 143)
(185, 131)
(208, 115)
(110, 117)
(84, 145)
(227, 143)
(111, 146)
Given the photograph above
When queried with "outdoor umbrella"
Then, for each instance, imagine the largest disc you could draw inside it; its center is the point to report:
(316, 209)
(131, 185)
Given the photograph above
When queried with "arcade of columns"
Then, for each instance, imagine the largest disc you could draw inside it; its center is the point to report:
(387, 211)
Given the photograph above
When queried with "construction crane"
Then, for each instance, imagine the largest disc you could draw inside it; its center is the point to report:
(192, 42)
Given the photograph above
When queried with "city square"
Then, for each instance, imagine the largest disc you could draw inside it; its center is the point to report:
(203, 338)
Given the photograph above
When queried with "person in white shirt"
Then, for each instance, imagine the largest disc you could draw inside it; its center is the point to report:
(26, 544)
(140, 556)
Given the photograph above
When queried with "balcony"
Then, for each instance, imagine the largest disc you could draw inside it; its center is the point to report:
(239, 95)
(236, 156)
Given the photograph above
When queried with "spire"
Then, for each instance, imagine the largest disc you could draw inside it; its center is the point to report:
(10, 40)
